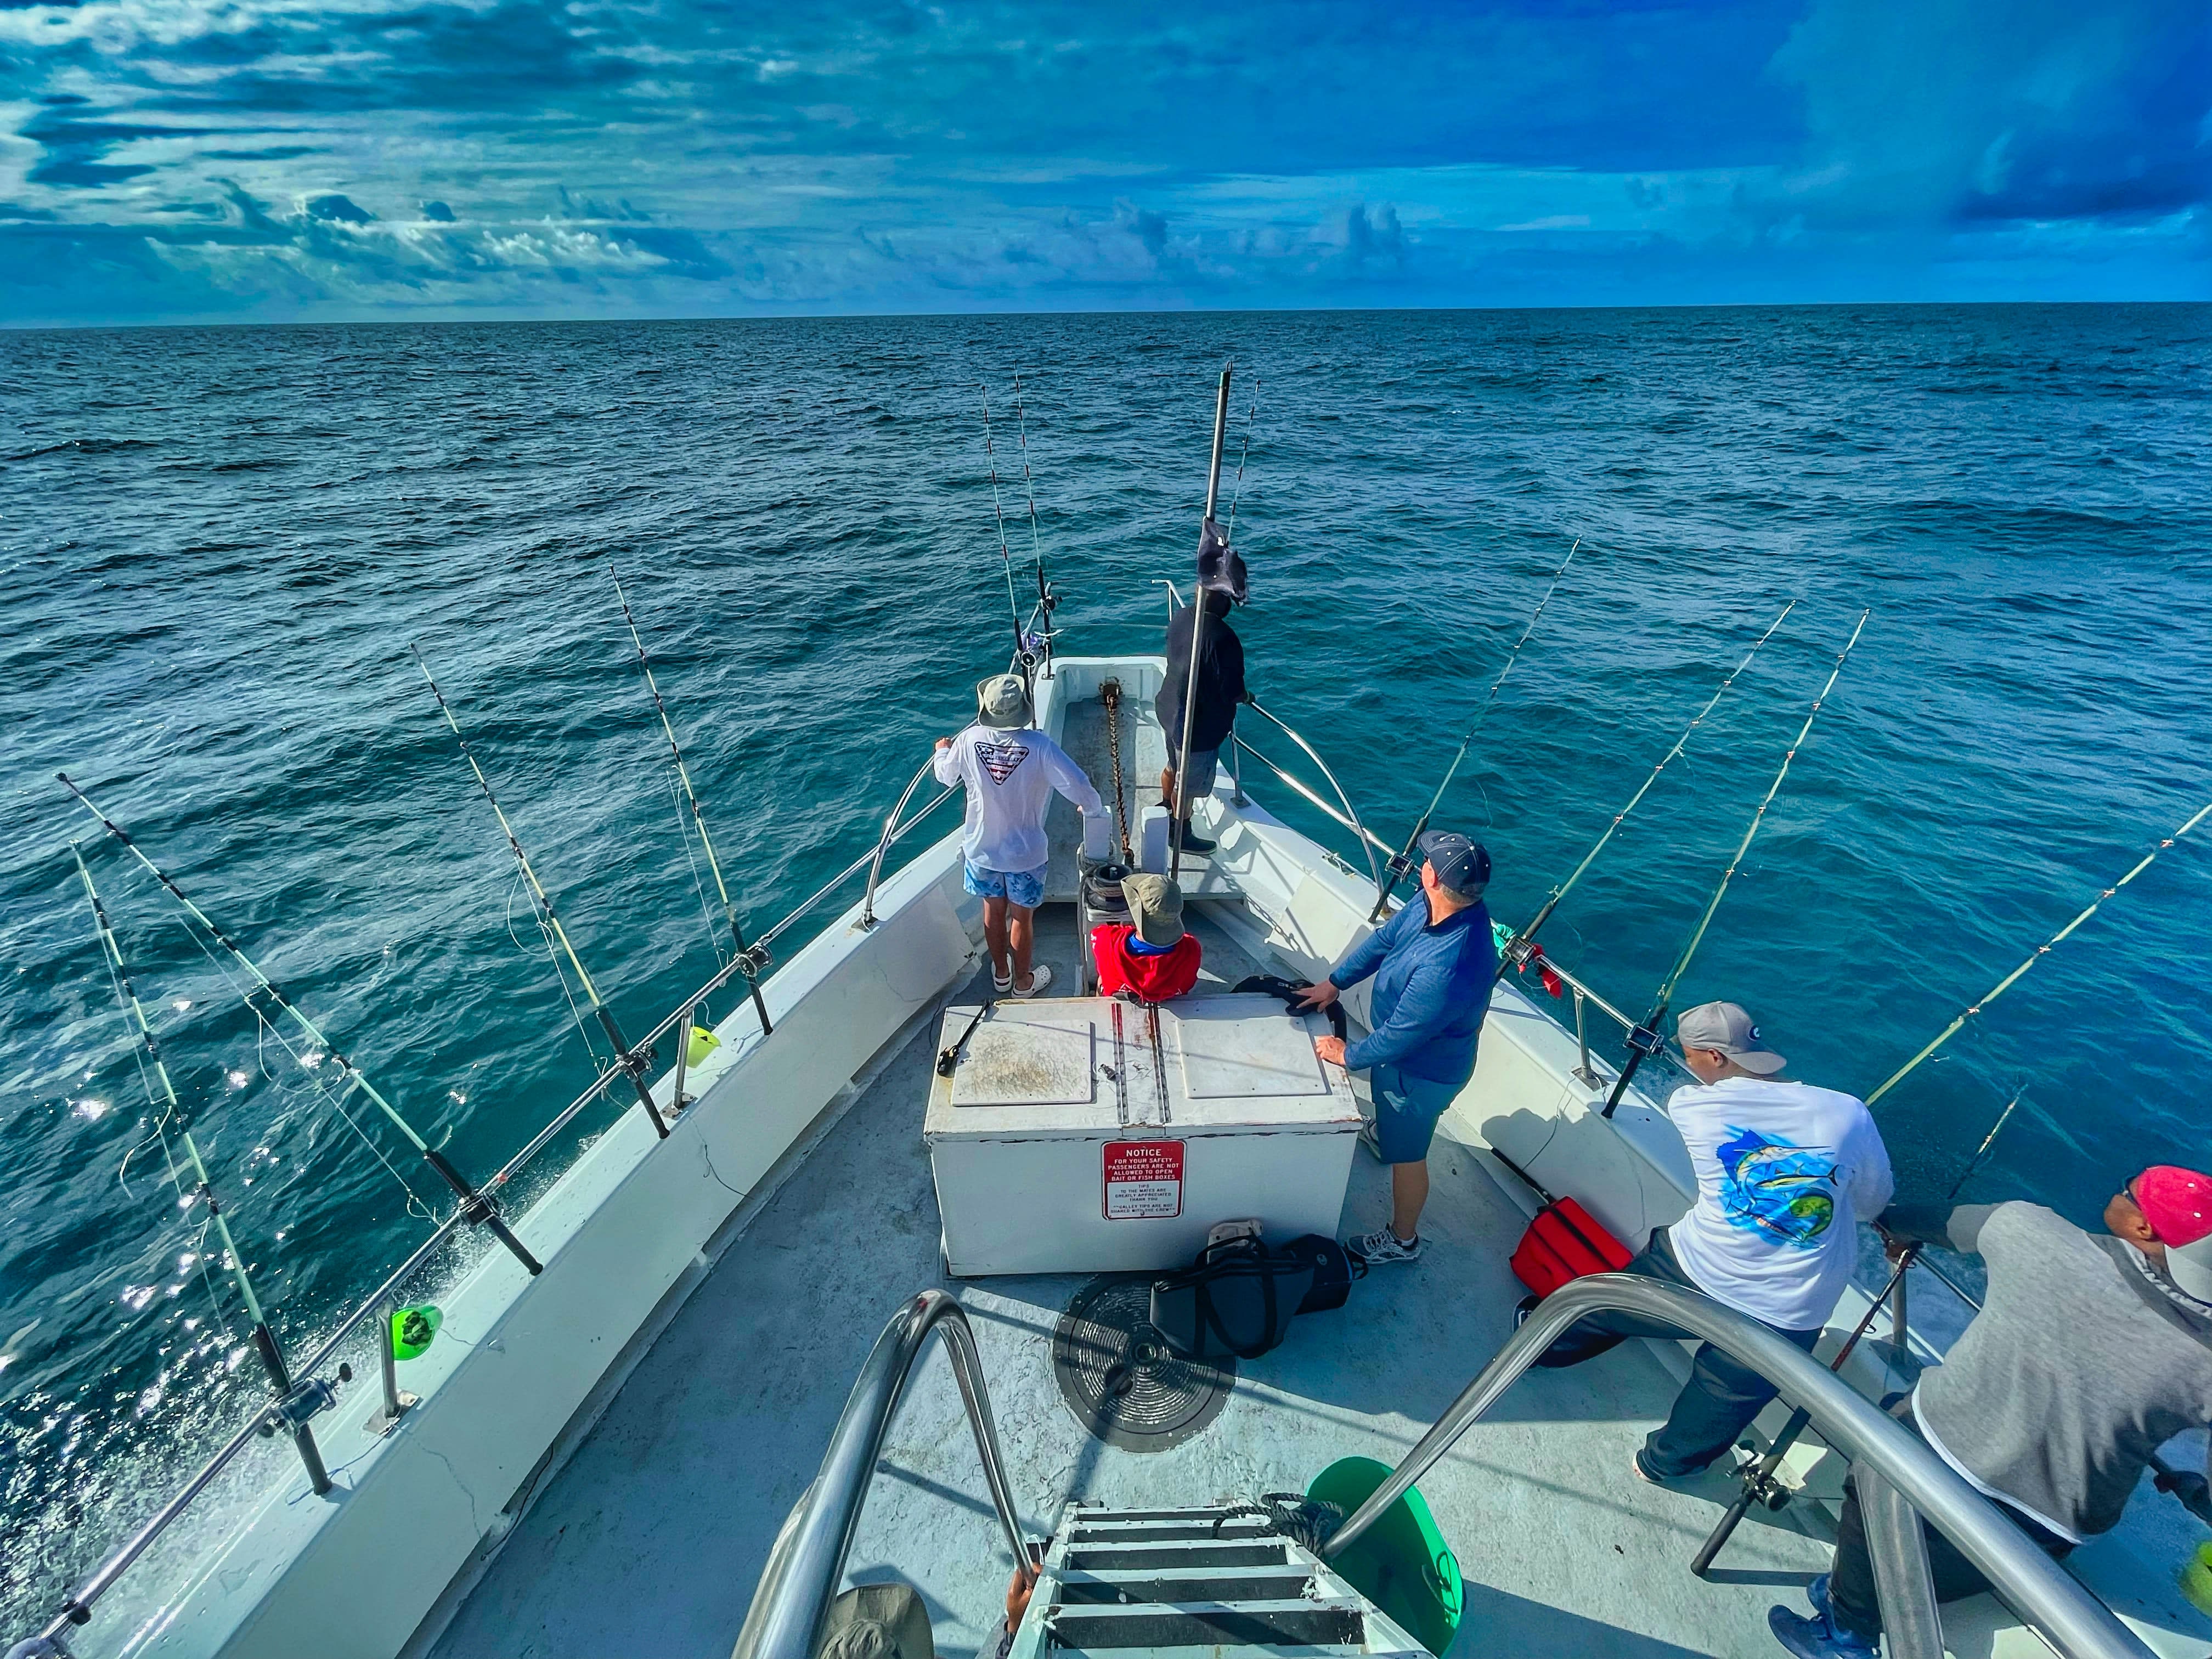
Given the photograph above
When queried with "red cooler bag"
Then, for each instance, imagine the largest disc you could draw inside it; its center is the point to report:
(1565, 1242)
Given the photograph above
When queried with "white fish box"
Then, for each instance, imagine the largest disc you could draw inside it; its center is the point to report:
(1088, 1135)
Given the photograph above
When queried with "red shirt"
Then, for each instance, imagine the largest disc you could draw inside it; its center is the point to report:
(1149, 979)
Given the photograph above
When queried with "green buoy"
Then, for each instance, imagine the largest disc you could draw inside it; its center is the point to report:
(412, 1329)
(1401, 1563)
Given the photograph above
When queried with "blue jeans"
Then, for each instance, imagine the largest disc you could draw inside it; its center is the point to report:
(1718, 1401)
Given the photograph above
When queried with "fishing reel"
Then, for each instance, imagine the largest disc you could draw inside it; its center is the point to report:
(754, 960)
(301, 1403)
(1647, 1040)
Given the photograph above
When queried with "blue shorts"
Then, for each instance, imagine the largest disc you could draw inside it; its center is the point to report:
(1022, 887)
(1405, 1113)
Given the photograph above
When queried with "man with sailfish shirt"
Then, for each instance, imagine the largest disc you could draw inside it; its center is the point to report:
(1785, 1173)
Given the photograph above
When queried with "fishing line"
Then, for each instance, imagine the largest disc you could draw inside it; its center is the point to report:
(473, 1207)
(2037, 955)
(752, 961)
(336, 1101)
(1045, 600)
(1521, 948)
(1013, 605)
(1401, 865)
(632, 1062)
(698, 883)
(1237, 489)
(1645, 1039)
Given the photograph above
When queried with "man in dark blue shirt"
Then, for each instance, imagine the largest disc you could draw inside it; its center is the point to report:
(1433, 963)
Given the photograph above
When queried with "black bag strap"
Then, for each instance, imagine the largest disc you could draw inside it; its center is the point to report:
(1581, 1238)
(1208, 1319)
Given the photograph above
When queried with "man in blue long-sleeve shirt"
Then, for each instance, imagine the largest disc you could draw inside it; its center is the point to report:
(1433, 963)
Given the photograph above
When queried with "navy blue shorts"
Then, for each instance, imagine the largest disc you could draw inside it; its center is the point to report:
(1405, 1113)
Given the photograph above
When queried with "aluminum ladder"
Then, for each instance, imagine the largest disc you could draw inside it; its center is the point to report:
(1195, 1583)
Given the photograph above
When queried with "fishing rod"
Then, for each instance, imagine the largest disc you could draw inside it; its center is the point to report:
(2036, 955)
(631, 1062)
(170, 1110)
(1401, 867)
(1045, 601)
(1521, 948)
(1759, 1483)
(1646, 1039)
(474, 1207)
(1013, 605)
(748, 960)
(1208, 531)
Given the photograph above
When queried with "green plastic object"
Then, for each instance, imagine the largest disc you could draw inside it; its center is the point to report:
(2196, 1578)
(412, 1329)
(701, 1043)
(1401, 1563)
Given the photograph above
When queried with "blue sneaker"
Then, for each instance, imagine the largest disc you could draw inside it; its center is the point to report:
(1817, 1638)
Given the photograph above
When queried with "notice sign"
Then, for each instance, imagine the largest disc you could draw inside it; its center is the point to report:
(1144, 1180)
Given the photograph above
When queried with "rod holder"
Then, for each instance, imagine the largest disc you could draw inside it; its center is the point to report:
(396, 1402)
(1583, 1074)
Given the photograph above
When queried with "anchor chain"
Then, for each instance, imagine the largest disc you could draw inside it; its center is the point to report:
(1110, 695)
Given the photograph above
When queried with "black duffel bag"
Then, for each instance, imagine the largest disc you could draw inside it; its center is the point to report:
(1235, 1301)
(1334, 1268)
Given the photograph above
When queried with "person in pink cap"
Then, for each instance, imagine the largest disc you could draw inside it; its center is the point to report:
(2090, 1352)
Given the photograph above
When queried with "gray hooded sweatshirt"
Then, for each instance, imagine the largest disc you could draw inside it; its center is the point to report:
(2084, 1360)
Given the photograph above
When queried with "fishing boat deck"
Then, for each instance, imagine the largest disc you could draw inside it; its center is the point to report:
(649, 1540)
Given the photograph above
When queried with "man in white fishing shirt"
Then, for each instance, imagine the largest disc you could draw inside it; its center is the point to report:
(1010, 770)
(1785, 1174)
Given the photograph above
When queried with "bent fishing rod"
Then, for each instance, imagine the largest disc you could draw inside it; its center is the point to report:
(475, 1208)
(1401, 867)
(1520, 949)
(631, 1062)
(1647, 1039)
(749, 962)
(1758, 1484)
(2037, 955)
(169, 1109)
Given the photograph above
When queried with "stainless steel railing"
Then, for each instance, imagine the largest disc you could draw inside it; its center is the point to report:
(2035, 1587)
(884, 843)
(808, 1561)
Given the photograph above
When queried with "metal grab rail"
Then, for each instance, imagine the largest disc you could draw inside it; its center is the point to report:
(1312, 796)
(2033, 1585)
(883, 845)
(808, 1562)
(1367, 841)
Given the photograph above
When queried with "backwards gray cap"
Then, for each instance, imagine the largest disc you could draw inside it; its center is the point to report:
(1727, 1027)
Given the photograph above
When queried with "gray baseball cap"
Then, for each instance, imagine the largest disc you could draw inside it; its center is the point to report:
(1155, 907)
(1002, 701)
(1727, 1027)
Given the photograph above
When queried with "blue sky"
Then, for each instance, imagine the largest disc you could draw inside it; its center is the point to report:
(173, 159)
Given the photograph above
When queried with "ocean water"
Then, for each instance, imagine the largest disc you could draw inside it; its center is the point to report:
(219, 544)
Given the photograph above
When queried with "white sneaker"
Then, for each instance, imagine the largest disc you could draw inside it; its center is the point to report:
(1040, 976)
(1383, 1245)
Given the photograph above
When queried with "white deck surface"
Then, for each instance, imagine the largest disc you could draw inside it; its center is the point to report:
(649, 1542)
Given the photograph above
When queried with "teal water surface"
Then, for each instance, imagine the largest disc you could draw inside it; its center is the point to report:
(219, 544)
